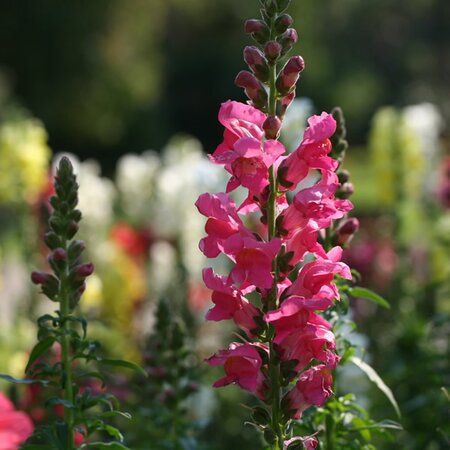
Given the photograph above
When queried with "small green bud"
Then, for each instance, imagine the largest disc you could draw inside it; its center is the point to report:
(270, 436)
(52, 240)
(282, 23)
(261, 416)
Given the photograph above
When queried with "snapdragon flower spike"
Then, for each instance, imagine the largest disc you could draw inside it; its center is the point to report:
(290, 349)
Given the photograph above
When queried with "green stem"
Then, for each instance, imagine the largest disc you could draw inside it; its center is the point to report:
(274, 363)
(329, 433)
(69, 418)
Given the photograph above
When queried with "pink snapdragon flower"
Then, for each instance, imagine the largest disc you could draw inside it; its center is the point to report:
(313, 341)
(243, 151)
(315, 206)
(242, 365)
(315, 280)
(240, 120)
(230, 302)
(15, 426)
(253, 260)
(304, 241)
(249, 163)
(294, 314)
(223, 222)
(312, 388)
(309, 442)
(312, 152)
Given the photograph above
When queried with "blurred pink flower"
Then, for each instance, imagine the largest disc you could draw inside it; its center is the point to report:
(15, 426)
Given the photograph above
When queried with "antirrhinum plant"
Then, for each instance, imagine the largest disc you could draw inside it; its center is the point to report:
(64, 360)
(285, 273)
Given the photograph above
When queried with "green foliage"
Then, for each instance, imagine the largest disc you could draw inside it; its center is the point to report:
(65, 330)
(161, 410)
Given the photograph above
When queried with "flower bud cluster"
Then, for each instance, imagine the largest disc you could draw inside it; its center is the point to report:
(276, 38)
(69, 273)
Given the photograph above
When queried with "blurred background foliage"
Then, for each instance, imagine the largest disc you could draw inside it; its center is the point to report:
(109, 75)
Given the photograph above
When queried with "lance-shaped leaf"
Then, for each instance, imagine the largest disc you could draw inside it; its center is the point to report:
(376, 379)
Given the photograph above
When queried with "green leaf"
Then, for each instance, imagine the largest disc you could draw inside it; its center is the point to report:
(114, 413)
(369, 295)
(123, 363)
(376, 379)
(11, 379)
(383, 425)
(103, 445)
(361, 426)
(39, 349)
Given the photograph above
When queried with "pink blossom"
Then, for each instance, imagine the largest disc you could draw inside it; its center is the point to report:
(315, 206)
(315, 279)
(294, 314)
(302, 242)
(15, 426)
(223, 222)
(249, 163)
(253, 260)
(242, 364)
(240, 121)
(312, 152)
(313, 341)
(312, 388)
(229, 303)
(309, 442)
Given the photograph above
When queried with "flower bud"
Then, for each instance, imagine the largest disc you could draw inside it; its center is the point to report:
(253, 88)
(343, 176)
(289, 75)
(346, 231)
(272, 126)
(273, 50)
(75, 249)
(40, 277)
(52, 240)
(72, 230)
(345, 191)
(49, 284)
(84, 270)
(258, 29)
(288, 39)
(283, 104)
(59, 254)
(257, 62)
(282, 23)
(261, 416)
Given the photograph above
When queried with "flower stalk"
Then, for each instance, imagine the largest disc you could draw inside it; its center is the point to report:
(287, 356)
(64, 356)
